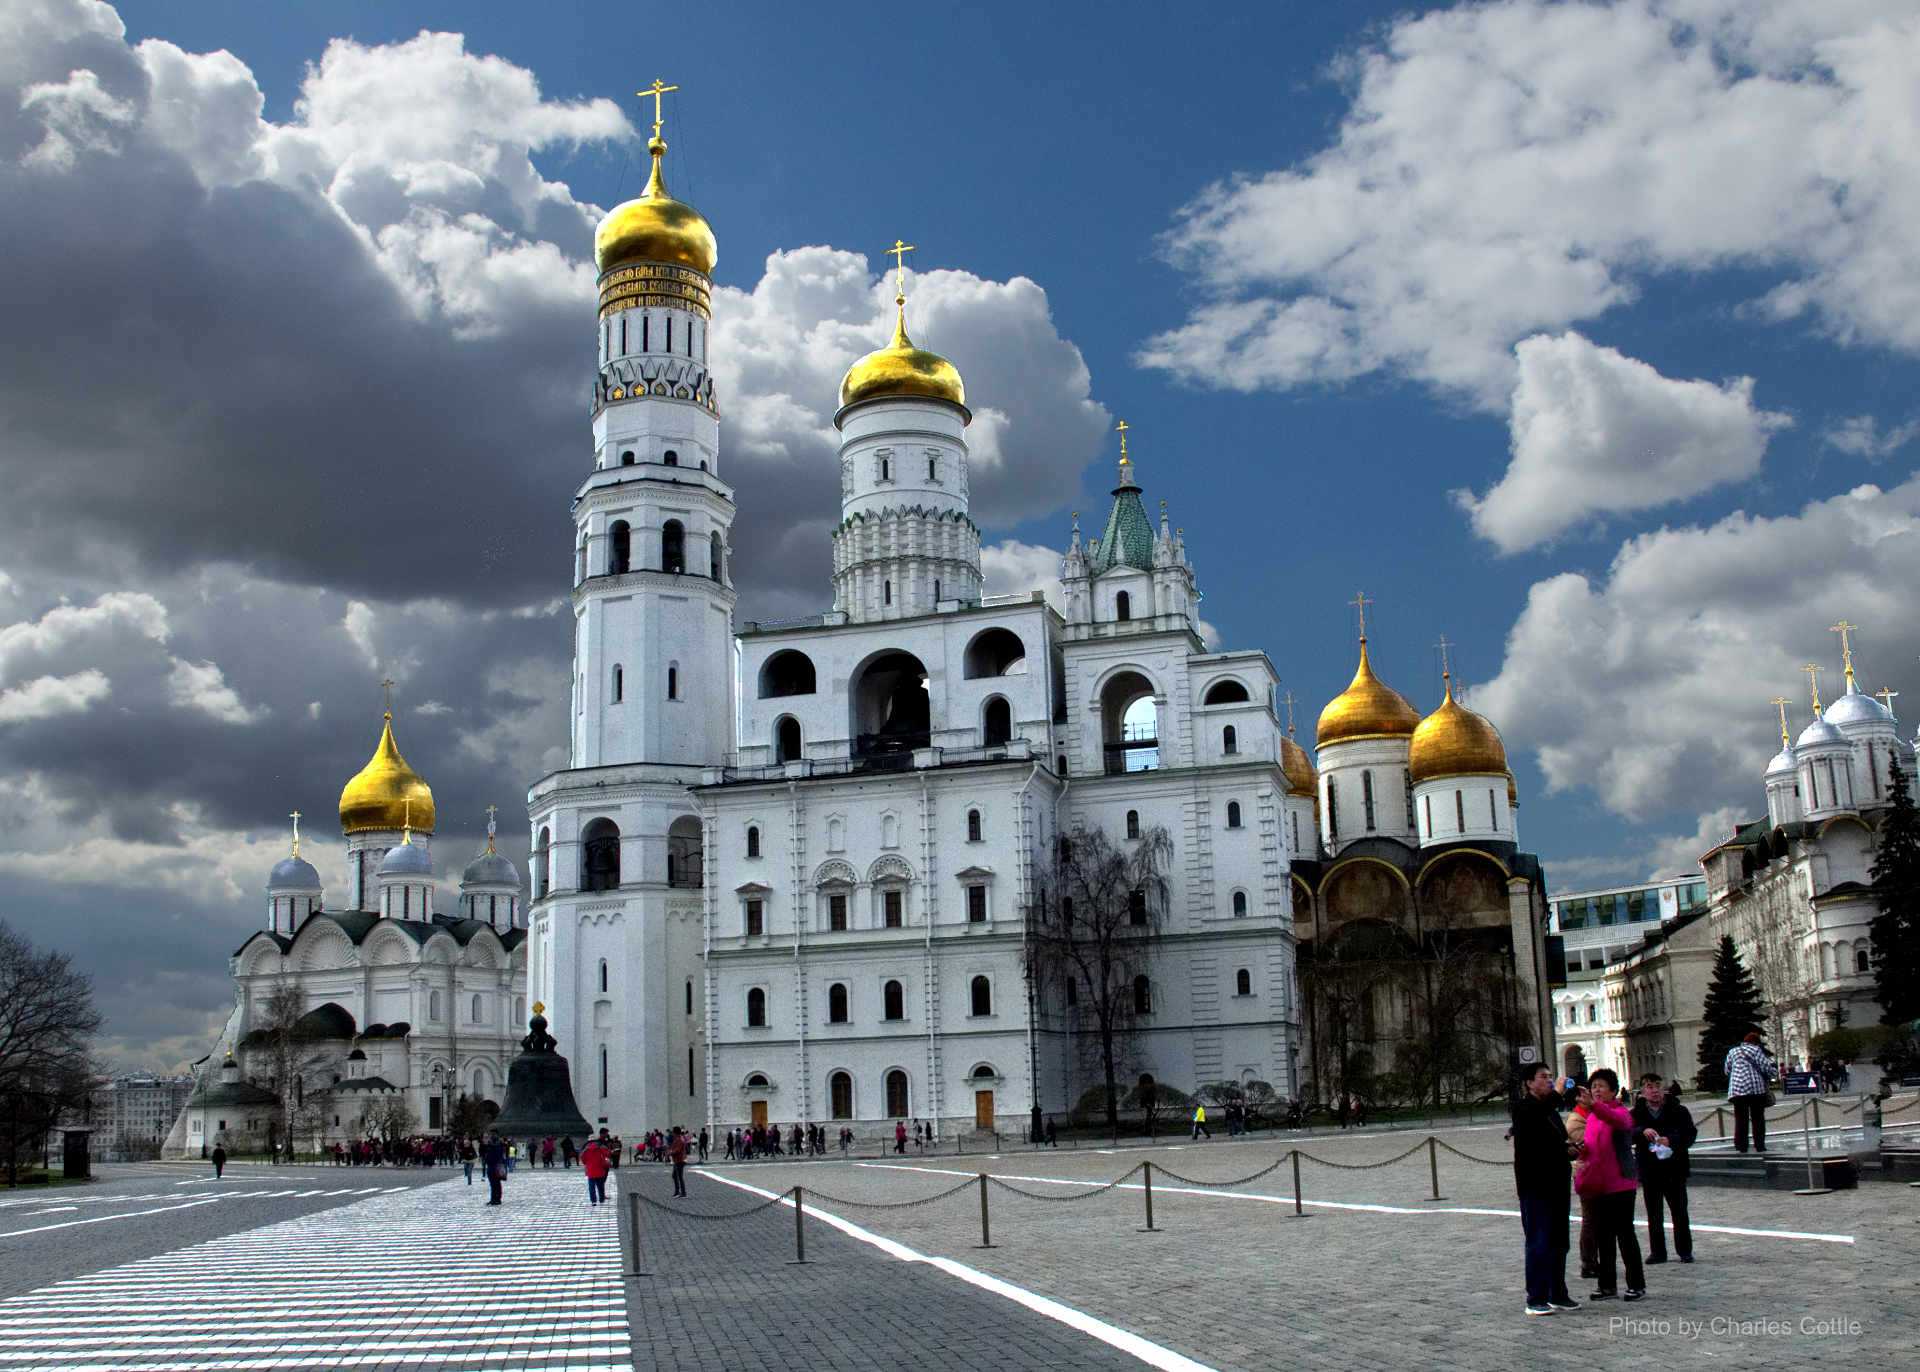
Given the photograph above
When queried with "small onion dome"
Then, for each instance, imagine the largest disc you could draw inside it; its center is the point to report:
(386, 793)
(490, 869)
(357, 1055)
(1301, 778)
(900, 369)
(1454, 741)
(1857, 708)
(1819, 734)
(1513, 793)
(655, 228)
(1368, 708)
(1782, 764)
(407, 859)
(293, 874)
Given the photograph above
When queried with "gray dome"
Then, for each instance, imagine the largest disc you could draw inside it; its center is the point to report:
(1782, 764)
(1856, 707)
(491, 869)
(1819, 734)
(293, 874)
(411, 860)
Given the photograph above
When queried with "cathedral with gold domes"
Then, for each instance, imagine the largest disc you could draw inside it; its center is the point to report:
(406, 1005)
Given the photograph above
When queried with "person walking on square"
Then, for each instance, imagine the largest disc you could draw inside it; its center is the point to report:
(596, 1162)
(1662, 1123)
(1609, 1176)
(899, 1136)
(493, 1154)
(219, 1161)
(677, 1155)
(1749, 1069)
(1200, 1122)
(703, 1145)
(467, 1155)
(1542, 1177)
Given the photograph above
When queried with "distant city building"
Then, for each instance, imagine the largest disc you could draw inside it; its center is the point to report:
(133, 1114)
(1598, 927)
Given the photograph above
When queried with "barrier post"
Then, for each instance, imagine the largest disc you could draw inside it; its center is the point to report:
(1433, 1166)
(1813, 1187)
(799, 1229)
(1146, 1176)
(986, 1233)
(1720, 1120)
(1298, 1212)
(633, 1246)
(1815, 1102)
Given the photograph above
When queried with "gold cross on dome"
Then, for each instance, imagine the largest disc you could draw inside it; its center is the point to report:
(1288, 698)
(1846, 644)
(491, 809)
(1446, 666)
(295, 817)
(898, 252)
(1812, 669)
(1780, 704)
(1121, 429)
(1360, 602)
(656, 90)
(386, 686)
(1886, 696)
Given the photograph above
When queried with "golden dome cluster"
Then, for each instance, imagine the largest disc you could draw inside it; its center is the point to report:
(1453, 741)
(1368, 708)
(386, 793)
(655, 227)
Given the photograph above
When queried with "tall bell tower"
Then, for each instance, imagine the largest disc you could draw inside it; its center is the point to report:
(617, 847)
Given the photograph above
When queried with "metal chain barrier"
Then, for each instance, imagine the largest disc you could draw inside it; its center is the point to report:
(821, 1197)
(1364, 1166)
(1050, 1196)
(678, 1213)
(1471, 1157)
(1273, 1166)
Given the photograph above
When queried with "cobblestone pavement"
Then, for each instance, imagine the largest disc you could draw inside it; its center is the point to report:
(1379, 1275)
(424, 1277)
(140, 1209)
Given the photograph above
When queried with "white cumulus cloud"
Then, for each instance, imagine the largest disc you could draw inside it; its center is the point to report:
(203, 686)
(1860, 435)
(46, 697)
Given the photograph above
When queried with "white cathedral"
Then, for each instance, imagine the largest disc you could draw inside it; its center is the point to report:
(787, 873)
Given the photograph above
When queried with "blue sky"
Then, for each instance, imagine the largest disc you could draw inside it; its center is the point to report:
(1646, 263)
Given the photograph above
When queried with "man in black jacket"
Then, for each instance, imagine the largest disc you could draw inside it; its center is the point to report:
(1543, 1179)
(1661, 1121)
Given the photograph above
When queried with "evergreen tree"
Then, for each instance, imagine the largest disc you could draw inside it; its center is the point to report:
(1732, 1011)
(1895, 931)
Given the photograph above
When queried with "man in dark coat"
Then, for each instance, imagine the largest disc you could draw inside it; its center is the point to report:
(1543, 1179)
(494, 1154)
(1661, 1121)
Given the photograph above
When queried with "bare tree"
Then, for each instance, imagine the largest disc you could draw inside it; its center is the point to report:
(1098, 911)
(393, 1118)
(47, 1024)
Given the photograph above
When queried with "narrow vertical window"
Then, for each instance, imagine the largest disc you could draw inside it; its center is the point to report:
(619, 685)
(689, 995)
(646, 322)
(1366, 798)
(1229, 741)
(1123, 606)
(603, 1074)
(1460, 811)
(1233, 814)
(623, 333)
(669, 347)
(753, 840)
(1493, 812)
(673, 683)
(976, 905)
(1428, 806)
(1296, 832)
(756, 920)
(893, 907)
(973, 826)
(886, 593)
(1333, 810)
(837, 913)
(1133, 824)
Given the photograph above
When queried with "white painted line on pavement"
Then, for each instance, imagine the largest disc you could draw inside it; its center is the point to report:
(1149, 1352)
(106, 1219)
(1219, 1194)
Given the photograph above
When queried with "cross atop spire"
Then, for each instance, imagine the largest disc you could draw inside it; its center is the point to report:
(1121, 429)
(1780, 704)
(386, 686)
(1886, 696)
(1846, 648)
(491, 809)
(295, 817)
(406, 831)
(1446, 665)
(1288, 699)
(898, 252)
(1812, 669)
(656, 90)
(1360, 602)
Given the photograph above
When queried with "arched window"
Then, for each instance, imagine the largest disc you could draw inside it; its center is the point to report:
(1243, 982)
(893, 999)
(973, 826)
(604, 1074)
(995, 652)
(897, 1101)
(1133, 824)
(670, 457)
(1229, 741)
(542, 852)
(673, 547)
(619, 683)
(1239, 902)
(600, 856)
(603, 976)
(479, 1015)
(787, 673)
(1142, 995)
(433, 1005)
(840, 1096)
(626, 458)
(1233, 814)
(786, 740)
(1123, 606)
(716, 557)
(1137, 906)
(689, 995)
(837, 1003)
(673, 682)
(753, 840)
(1228, 692)
(1862, 959)
(886, 593)
(619, 547)
(981, 993)
(996, 723)
(756, 1009)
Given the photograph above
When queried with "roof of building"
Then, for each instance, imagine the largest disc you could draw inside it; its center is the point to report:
(1128, 540)
(208, 1095)
(358, 924)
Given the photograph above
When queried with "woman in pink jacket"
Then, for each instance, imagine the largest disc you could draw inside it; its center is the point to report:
(1608, 1179)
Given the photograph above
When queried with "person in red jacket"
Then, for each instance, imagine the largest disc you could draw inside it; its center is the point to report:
(1609, 1178)
(595, 1160)
(677, 1155)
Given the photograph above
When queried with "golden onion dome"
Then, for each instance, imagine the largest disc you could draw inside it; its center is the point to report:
(1368, 708)
(1302, 780)
(900, 369)
(655, 228)
(386, 793)
(1453, 741)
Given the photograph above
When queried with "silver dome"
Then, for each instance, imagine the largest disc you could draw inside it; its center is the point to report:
(410, 859)
(491, 869)
(1819, 734)
(1856, 707)
(1782, 764)
(293, 874)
